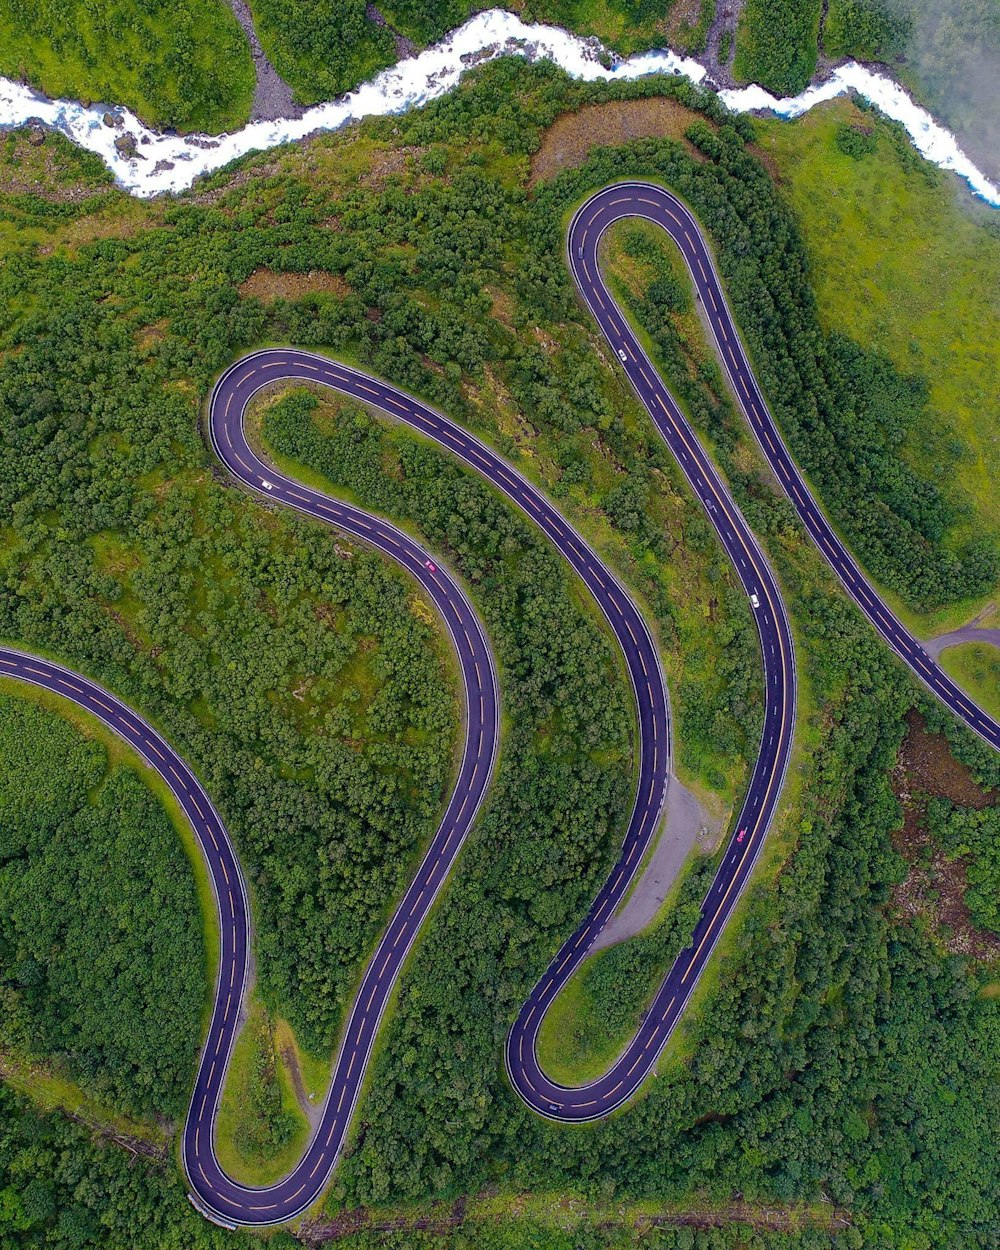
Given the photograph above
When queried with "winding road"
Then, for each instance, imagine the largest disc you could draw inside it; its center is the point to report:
(663, 208)
(217, 1195)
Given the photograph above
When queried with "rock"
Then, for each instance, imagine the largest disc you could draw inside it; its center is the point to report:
(36, 136)
(125, 145)
(111, 121)
(161, 167)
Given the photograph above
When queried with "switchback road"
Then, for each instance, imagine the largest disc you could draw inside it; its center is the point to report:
(661, 207)
(217, 1194)
(656, 204)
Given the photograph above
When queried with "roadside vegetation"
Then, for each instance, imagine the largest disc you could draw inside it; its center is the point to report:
(976, 666)
(260, 1130)
(600, 1009)
(776, 44)
(837, 1053)
(908, 267)
(185, 64)
(103, 966)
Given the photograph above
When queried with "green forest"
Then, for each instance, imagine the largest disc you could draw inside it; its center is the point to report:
(186, 65)
(101, 956)
(839, 1064)
(324, 48)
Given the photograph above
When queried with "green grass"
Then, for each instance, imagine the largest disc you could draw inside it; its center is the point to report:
(185, 64)
(260, 1131)
(578, 1041)
(904, 263)
(314, 1069)
(976, 667)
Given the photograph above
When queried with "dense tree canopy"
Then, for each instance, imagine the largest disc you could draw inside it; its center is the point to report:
(838, 1053)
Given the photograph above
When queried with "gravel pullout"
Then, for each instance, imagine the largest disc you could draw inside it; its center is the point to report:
(684, 822)
(968, 633)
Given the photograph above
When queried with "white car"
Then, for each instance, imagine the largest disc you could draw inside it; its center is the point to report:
(621, 354)
(266, 484)
(754, 601)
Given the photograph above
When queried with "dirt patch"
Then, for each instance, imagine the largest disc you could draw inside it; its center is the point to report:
(501, 306)
(683, 17)
(934, 889)
(35, 162)
(386, 162)
(930, 769)
(268, 285)
(568, 141)
(441, 1217)
(360, 1219)
(256, 169)
(151, 336)
(312, 1111)
(768, 161)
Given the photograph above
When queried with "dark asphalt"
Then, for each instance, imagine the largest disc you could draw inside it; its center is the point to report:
(619, 1083)
(213, 1192)
(639, 199)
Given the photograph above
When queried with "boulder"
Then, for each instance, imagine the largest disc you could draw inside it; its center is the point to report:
(126, 145)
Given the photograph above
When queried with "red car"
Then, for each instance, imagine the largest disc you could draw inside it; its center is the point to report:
(741, 835)
(429, 567)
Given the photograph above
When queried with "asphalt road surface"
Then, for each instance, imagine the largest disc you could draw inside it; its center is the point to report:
(619, 1083)
(655, 204)
(215, 1193)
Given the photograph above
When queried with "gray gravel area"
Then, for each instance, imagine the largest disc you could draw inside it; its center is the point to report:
(727, 14)
(272, 97)
(684, 822)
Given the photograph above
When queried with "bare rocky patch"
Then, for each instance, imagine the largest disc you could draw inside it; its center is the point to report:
(387, 162)
(38, 162)
(268, 285)
(934, 889)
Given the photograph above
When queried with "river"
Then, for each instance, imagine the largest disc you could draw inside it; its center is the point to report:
(170, 162)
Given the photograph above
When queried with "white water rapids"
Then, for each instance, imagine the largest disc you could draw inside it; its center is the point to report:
(169, 162)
